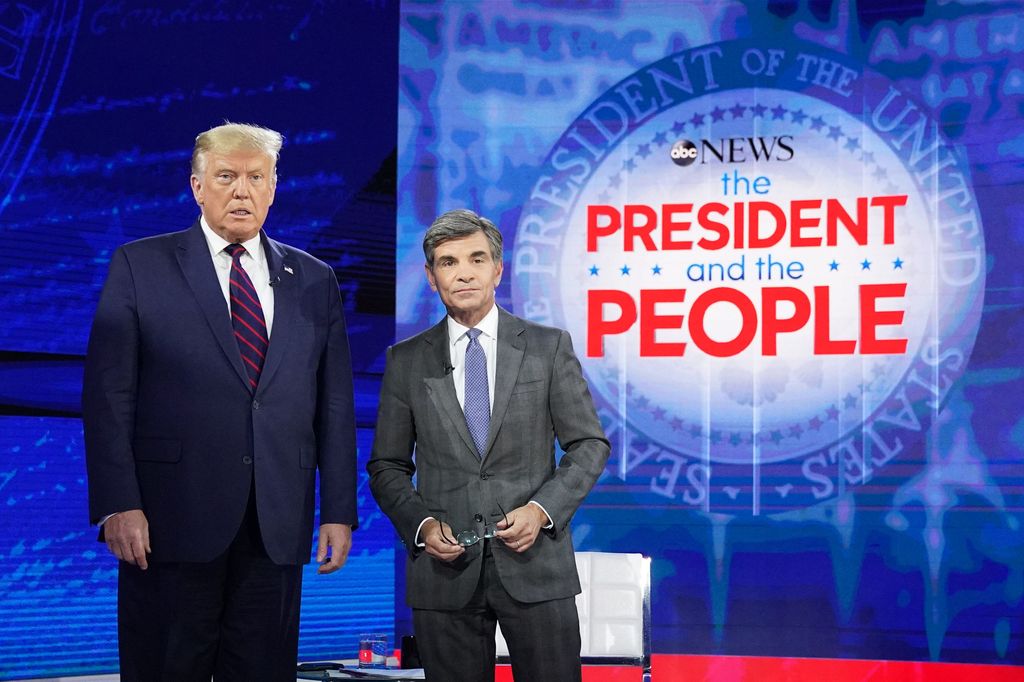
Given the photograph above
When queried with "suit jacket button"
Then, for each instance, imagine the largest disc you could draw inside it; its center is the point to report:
(247, 460)
(483, 476)
(255, 404)
(478, 518)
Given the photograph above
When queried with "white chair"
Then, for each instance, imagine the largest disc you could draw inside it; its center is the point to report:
(614, 608)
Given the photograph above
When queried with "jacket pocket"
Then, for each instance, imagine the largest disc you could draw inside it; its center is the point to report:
(157, 449)
(528, 386)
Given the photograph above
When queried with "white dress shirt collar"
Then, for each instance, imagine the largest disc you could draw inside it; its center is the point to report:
(488, 326)
(217, 244)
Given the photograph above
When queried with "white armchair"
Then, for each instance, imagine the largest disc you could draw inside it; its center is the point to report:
(614, 608)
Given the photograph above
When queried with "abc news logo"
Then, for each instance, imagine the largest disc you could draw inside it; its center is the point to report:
(733, 150)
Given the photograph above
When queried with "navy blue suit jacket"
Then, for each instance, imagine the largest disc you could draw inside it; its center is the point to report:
(171, 426)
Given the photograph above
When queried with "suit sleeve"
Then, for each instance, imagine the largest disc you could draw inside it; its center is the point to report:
(580, 435)
(336, 424)
(109, 394)
(391, 466)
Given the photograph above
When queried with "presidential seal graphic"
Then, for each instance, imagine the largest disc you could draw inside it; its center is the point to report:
(771, 263)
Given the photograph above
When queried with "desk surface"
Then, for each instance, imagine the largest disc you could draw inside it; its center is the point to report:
(348, 669)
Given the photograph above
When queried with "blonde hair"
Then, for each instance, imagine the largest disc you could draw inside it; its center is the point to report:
(232, 137)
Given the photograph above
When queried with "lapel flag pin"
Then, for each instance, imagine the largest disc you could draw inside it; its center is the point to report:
(289, 270)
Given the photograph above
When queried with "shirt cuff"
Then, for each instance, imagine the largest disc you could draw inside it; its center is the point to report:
(416, 538)
(106, 518)
(551, 524)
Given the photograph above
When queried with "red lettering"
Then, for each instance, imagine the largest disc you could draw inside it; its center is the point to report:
(798, 222)
(772, 325)
(634, 228)
(651, 322)
(748, 329)
(871, 318)
(670, 225)
(597, 326)
(756, 208)
(595, 230)
(823, 343)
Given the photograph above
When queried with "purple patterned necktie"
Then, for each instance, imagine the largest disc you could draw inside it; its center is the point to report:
(247, 317)
(477, 400)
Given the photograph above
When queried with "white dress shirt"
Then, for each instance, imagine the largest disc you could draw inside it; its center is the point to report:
(458, 339)
(253, 261)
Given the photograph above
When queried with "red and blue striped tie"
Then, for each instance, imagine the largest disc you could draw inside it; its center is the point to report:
(247, 317)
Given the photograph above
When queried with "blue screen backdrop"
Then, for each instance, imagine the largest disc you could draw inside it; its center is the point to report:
(99, 104)
(858, 506)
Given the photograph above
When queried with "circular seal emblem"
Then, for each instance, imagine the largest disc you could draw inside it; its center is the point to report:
(35, 47)
(771, 263)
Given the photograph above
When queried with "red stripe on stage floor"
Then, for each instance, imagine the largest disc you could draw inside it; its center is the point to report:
(684, 668)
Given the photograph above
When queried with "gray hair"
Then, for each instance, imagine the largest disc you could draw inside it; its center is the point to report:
(456, 224)
(233, 137)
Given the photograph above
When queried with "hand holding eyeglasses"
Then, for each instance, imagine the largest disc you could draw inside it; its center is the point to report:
(521, 526)
(437, 538)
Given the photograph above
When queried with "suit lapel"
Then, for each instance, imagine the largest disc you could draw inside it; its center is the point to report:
(511, 349)
(194, 259)
(286, 298)
(439, 382)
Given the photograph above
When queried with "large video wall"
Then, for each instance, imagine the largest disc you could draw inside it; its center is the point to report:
(785, 237)
(100, 103)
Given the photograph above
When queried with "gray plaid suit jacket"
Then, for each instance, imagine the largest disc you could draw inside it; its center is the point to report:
(540, 394)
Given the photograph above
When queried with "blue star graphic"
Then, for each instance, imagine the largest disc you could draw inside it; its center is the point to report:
(615, 180)
(625, 269)
(834, 132)
(660, 139)
(737, 110)
(865, 264)
(593, 271)
(833, 266)
(778, 112)
(817, 123)
(799, 116)
(718, 114)
(758, 110)
(868, 157)
(697, 119)
(643, 151)
(629, 165)
(897, 264)
(852, 143)
(656, 270)
(678, 127)
(850, 400)
(880, 173)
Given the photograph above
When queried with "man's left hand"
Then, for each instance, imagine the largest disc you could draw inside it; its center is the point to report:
(338, 537)
(524, 524)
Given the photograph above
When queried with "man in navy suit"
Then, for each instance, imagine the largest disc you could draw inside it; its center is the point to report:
(217, 383)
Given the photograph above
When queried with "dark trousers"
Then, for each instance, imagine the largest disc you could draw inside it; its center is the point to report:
(233, 619)
(543, 638)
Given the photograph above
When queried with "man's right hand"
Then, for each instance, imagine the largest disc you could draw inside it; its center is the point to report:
(440, 541)
(127, 536)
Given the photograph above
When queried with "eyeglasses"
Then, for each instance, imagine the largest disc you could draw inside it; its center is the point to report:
(468, 538)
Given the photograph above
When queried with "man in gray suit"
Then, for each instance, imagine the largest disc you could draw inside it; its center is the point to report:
(481, 396)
